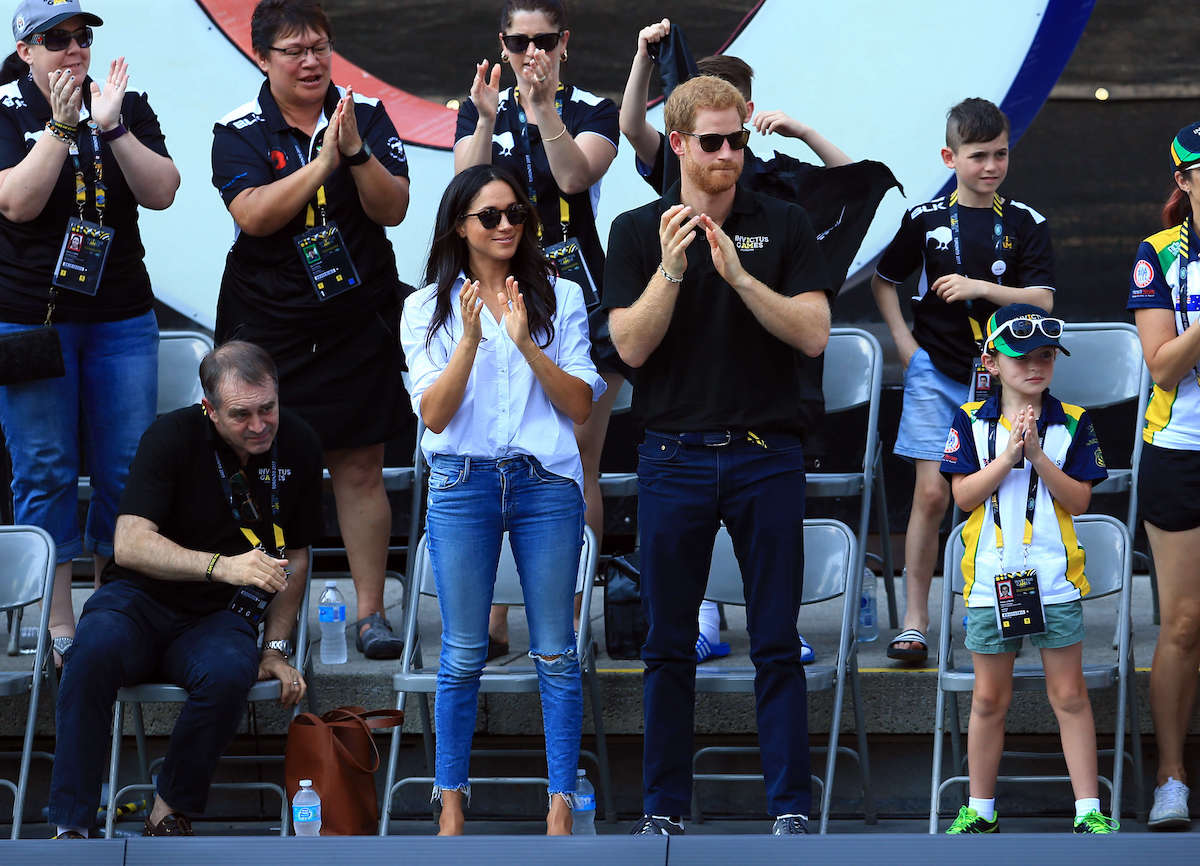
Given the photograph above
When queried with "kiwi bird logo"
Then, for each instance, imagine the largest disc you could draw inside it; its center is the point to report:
(505, 140)
(941, 236)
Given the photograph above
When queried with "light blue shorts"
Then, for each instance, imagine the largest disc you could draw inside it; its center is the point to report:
(1064, 627)
(930, 398)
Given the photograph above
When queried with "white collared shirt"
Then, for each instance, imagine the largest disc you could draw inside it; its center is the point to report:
(504, 410)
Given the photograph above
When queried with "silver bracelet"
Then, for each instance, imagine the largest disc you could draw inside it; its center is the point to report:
(668, 277)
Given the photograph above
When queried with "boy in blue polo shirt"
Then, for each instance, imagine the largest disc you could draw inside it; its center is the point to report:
(976, 251)
(1021, 464)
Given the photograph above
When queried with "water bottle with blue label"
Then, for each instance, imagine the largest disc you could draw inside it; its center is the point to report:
(306, 810)
(583, 807)
(331, 611)
(868, 624)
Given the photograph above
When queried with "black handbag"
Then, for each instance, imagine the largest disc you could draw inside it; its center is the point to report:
(27, 356)
(624, 621)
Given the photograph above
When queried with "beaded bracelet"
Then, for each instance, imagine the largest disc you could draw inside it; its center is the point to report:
(55, 132)
(668, 277)
(212, 563)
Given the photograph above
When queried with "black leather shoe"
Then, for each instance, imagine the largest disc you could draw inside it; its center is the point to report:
(172, 824)
(377, 641)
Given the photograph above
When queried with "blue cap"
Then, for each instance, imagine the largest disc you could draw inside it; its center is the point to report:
(38, 16)
(1185, 148)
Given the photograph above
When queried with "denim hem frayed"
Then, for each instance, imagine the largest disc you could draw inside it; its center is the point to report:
(436, 795)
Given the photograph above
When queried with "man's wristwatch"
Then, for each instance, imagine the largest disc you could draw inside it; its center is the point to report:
(283, 647)
(362, 156)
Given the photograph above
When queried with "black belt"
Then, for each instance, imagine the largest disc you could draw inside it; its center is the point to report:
(713, 438)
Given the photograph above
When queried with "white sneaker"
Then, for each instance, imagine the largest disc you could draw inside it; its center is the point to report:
(1170, 809)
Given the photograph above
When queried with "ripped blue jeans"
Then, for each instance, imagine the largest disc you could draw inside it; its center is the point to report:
(472, 502)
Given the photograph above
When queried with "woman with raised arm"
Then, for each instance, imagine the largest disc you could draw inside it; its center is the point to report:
(312, 173)
(77, 159)
(498, 349)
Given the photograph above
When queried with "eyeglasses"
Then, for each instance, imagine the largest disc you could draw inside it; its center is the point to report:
(1022, 328)
(710, 142)
(297, 52)
(60, 40)
(489, 217)
(517, 43)
(243, 499)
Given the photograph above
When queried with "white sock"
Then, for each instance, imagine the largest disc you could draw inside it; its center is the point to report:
(79, 830)
(1087, 804)
(985, 809)
(710, 622)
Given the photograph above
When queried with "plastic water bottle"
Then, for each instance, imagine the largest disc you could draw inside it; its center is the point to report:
(331, 611)
(583, 807)
(868, 624)
(306, 810)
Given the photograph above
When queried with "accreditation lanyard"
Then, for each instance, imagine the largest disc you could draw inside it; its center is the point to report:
(312, 213)
(998, 265)
(248, 531)
(1185, 259)
(81, 185)
(564, 209)
(1030, 498)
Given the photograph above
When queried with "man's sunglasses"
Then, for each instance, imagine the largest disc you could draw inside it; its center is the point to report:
(517, 43)
(1024, 327)
(243, 499)
(710, 142)
(60, 40)
(489, 217)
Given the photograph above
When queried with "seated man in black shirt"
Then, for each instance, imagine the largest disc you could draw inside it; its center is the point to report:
(220, 507)
(718, 295)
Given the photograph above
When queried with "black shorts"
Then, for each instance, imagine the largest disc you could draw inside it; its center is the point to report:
(1168, 481)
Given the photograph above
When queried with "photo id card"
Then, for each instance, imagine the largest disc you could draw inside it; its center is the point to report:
(81, 260)
(251, 604)
(326, 261)
(1019, 604)
(982, 383)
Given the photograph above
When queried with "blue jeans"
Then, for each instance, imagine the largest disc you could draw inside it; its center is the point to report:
(684, 490)
(110, 391)
(472, 502)
(126, 637)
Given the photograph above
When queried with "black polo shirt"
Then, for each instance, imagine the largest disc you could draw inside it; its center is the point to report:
(254, 146)
(924, 240)
(173, 482)
(717, 367)
(583, 113)
(29, 250)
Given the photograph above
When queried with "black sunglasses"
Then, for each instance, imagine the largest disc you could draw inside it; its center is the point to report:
(518, 42)
(60, 40)
(489, 217)
(243, 503)
(710, 142)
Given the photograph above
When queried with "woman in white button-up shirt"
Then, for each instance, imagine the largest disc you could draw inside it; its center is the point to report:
(499, 356)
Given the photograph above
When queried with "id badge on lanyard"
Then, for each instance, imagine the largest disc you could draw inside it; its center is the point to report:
(323, 253)
(1185, 259)
(981, 380)
(86, 244)
(1018, 598)
(250, 602)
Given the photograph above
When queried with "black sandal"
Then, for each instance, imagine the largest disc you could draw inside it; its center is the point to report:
(377, 641)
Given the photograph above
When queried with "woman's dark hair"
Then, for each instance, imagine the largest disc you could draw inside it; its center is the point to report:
(14, 67)
(555, 10)
(449, 255)
(275, 18)
(1176, 208)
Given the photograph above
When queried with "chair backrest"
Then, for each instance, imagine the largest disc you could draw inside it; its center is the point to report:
(624, 401)
(1104, 368)
(828, 555)
(853, 369)
(179, 356)
(1105, 542)
(26, 565)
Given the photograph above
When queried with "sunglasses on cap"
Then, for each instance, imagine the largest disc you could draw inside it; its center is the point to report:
(517, 43)
(710, 142)
(60, 40)
(1023, 328)
(489, 217)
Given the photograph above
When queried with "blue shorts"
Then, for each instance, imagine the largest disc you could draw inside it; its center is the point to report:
(1064, 627)
(930, 398)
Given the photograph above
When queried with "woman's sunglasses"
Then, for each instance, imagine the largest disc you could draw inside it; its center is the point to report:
(1024, 327)
(710, 142)
(517, 43)
(489, 217)
(60, 40)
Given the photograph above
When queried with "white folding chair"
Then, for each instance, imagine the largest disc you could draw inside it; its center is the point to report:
(26, 577)
(1109, 570)
(829, 572)
(167, 693)
(853, 377)
(422, 681)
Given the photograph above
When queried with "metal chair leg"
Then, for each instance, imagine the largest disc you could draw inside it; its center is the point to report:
(114, 759)
(610, 812)
(864, 761)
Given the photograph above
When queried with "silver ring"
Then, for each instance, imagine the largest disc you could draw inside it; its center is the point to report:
(540, 80)
(295, 682)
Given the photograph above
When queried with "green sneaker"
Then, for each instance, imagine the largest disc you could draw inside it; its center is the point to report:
(968, 821)
(1095, 822)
